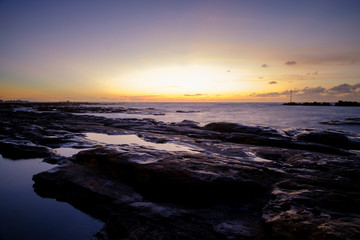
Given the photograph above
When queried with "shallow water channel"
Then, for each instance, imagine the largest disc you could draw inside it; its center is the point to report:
(25, 215)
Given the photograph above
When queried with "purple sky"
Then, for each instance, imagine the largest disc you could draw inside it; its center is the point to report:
(168, 50)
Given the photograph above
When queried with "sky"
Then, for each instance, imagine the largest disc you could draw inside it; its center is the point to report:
(189, 50)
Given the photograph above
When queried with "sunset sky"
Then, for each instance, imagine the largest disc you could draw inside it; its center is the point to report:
(188, 50)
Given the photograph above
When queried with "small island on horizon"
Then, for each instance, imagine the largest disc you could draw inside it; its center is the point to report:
(338, 104)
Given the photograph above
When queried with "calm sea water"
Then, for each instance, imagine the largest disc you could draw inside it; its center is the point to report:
(273, 115)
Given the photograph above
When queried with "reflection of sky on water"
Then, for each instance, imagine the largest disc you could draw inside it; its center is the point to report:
(67, 151)
(132, 139)
(25, 215)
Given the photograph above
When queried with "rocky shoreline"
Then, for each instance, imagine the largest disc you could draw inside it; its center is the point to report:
(234, 182)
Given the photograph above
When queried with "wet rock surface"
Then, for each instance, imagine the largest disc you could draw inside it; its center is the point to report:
(347, 121)
(235, 182)
(333, 139)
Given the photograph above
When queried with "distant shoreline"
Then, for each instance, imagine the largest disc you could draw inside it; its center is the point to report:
(338, 104)
(74, 103)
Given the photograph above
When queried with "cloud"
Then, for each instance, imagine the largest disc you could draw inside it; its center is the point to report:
(264, 65)
(137, 98)
(193, 95)
(338, 60)
(345, 88)
(289, 63)
(313, 73)
(349, 62)
(273, 82)
(317, 93)
(315, 90)
(272, 94)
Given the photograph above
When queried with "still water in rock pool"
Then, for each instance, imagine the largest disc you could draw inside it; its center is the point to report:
(68, 151)
(25, 215)
(132, 139)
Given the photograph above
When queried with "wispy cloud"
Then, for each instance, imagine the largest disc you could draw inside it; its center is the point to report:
(289, 63)
(264, 65)
(273, 94)
(315, 90)
(193, 95)
(313, 73)
(273, 82)
(337, 60)
(350, 62)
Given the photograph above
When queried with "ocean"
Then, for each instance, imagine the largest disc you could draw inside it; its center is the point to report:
(273, 115)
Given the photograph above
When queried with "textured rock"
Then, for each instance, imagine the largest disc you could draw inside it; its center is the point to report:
(19, 150)
(268, 194)
(126, 213)
(237, 182)
(333, 139)
(188, 123)
(180, 178)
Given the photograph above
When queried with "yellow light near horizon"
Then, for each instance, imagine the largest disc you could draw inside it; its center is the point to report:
(188, 79)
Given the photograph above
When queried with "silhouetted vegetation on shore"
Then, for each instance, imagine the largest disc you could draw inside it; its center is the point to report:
(339, 103)
(347, 103)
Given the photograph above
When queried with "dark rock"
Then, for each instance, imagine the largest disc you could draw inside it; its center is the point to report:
(183, 111)
(293, 195)
(316, 202)
(16, 150)
(170, 179)
(333, 139)
(347, 121)
(281, 142)
(153, 139)
(117, 205)
(145, 228)
(226, 127)
(56, 159)
(188, 123)
(83, 187)
(52, 141)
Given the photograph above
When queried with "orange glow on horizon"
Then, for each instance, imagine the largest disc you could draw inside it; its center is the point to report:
(175, 80)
